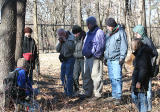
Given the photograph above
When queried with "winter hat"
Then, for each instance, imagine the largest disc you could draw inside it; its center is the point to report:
(76, 29)
(22, 63)
(140, 30)
(28, 30)
(91, 20)
(111, 22)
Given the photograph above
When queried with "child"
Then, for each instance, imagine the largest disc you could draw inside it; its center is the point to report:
(141, 74)
(23, 80)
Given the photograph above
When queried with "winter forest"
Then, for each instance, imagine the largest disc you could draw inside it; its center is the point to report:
(43, 21)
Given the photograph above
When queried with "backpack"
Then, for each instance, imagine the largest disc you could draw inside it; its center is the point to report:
(12, 90)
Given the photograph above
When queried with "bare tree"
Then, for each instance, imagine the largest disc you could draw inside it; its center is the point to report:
(142, 13)
(79, 12)
(21, 7)
(7, 41)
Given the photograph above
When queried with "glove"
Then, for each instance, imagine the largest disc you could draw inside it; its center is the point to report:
(121, 61)
(105, 62)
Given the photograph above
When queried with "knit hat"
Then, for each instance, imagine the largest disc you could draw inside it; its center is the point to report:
(111, 22)
(22, 63)
(140, 30)
(91, 20)
(28, 30)
(76, 29)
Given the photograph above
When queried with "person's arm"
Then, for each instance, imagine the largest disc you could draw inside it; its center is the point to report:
(123, 45)
(99, 44)
(142, 69)
(58, 47)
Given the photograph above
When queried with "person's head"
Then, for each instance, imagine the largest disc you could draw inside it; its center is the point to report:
(76, 30)
(28, 31)
(22, 63)
(111, 24)
(139, 31)
(91, 22)
(61, 33)
(136, 44)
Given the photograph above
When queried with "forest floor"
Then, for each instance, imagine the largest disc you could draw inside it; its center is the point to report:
(51, 97)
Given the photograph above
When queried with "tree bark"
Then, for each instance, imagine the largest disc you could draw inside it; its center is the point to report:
(7, 42)
(79, 13)
(21, 9)
(98, 14)
(142, 13)
(35, 31)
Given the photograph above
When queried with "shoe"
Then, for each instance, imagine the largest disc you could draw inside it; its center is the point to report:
(76, 94)
(83, 96)
(117, 102)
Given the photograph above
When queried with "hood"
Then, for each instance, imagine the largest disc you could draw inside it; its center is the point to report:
(140, 30)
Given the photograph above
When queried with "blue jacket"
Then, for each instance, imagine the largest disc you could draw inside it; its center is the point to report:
(94, 44)
(116, 45)
(23, 81)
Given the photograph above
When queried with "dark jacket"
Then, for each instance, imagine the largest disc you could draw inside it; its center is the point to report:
(29, 46)
(142, 68)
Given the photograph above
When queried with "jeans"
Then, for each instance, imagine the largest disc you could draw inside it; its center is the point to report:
(67, 76)
(140, 100)
(149, 95)
(115, 76)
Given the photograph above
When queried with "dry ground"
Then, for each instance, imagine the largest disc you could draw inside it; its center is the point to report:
(51, 97)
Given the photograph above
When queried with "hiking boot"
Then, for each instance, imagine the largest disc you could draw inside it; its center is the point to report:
(117, 102)
(82, 97)
(76, 94)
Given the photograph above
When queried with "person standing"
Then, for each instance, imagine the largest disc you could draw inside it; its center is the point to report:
(93, 50)
(79, 58)
(66, 48)
(29, 50)
(141, 33)
(115, 53)
(141, 74)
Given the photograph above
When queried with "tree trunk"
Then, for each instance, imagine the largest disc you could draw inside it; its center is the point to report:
(98, 14)
(21, 9)
(142, 13)
(7, 42)
(150, 19)
(35, 31)
(79, 12)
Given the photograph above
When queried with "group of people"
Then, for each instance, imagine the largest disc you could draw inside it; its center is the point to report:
(84, 53)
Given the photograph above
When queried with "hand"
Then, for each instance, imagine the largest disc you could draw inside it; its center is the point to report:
(121, 61)
(64, 39)
(105, 62)
(138, 85)
(61, 40)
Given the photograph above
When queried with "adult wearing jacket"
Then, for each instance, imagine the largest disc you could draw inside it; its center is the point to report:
(29, 46)
(79, 58)
(115, 53)
(141, 33)
(93, 50)
(66, 48)
(141, 74)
